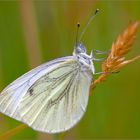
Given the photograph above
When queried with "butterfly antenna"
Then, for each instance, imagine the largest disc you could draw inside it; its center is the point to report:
(88, 22)
(77, 33)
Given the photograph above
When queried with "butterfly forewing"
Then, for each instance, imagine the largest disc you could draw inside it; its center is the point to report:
(11, 96)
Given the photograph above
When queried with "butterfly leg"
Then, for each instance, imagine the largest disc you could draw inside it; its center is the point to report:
(99, 59)
(96, 52)
(98, 73)
(101, 52)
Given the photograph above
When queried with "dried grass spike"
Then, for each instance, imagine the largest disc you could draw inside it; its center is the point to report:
(116, 58)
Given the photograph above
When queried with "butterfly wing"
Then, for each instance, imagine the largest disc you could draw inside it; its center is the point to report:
(58, 100)
(11, 96)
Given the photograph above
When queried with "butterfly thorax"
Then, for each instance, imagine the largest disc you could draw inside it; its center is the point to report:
(81, 56)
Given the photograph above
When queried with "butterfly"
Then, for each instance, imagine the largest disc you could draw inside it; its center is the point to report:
(53, 97)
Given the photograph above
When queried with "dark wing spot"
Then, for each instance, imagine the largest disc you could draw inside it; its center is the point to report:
(31, 91)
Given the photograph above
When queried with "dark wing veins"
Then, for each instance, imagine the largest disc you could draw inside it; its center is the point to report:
(53, 83)
(64, 93)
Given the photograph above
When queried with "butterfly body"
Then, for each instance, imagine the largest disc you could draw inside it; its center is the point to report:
(53, 97)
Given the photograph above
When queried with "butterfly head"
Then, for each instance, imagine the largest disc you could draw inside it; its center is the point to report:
(83, 57)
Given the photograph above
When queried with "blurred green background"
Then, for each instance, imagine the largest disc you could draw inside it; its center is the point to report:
(33, 32)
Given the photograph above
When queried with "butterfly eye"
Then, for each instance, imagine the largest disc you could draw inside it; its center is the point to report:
(80, 48)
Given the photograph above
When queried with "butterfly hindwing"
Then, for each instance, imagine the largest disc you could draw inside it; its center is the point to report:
(50, 98)
(58, 100)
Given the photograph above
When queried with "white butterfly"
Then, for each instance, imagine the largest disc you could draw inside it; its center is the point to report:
(53, 97)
